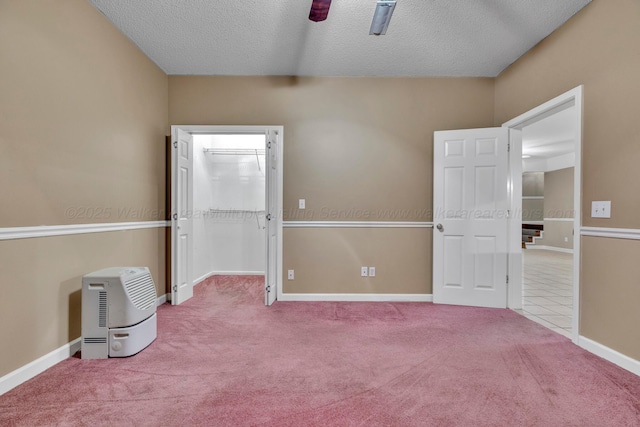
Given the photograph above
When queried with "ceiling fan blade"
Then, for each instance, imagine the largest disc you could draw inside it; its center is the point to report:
(319, 10)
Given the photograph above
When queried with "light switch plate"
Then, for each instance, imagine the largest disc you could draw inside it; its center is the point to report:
(372, 272)
(290, 275)
(301, 204)
(601, 209)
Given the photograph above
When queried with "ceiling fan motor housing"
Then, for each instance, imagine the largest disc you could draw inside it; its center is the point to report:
(319, 10)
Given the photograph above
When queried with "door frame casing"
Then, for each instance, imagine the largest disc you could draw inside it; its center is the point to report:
(247, 130)
(573, 97)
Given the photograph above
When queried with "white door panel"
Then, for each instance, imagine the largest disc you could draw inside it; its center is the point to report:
(470, 214)
(273, 144)
(182, 217)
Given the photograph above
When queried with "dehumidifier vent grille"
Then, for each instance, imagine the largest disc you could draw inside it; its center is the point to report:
(141, 291)
(102, 309)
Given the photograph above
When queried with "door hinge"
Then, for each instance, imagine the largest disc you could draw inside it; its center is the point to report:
(268, 217)
(175, 216)
(269, 145)
(175, 144)
(508, 213)
(507, 279)
(175, 288)
(268, 289)
(508, 147)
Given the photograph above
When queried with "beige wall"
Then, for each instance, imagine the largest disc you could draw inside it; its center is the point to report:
(328, 260)
(532, 210)
(82, 119)
(356, 149)
(532, 185)
(555, 233)
(610, 293)
(558, 193)
(558, 203)
(598, 48)
(83, 114)
(41, 285)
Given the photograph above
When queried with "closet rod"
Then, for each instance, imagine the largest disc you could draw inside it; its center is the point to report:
(237, 152)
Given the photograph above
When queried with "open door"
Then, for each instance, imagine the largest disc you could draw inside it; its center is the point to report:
(271, 207)
(181, 217)
(471, 216)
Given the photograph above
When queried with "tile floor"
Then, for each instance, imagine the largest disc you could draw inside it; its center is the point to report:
(548, 289)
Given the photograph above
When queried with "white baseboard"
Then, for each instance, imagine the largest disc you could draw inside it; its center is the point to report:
(203, 278)
(357, 297)
(551, 248)
(226, 273)
(237, 273)
(161, 300)
(30, 370)
(626, 362)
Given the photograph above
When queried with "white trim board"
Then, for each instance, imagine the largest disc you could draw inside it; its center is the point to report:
(357, 297)
(610, 354)
(226, 273)
(161, 300)
(66, 230)
(203, 278)
(551, 248)
(237, 273)
(356, 224)
(560, 219)
(30, 370)
(616, 233)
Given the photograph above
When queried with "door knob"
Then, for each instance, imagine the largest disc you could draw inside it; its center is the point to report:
(440, 228)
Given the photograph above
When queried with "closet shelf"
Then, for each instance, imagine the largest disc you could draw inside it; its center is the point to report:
(237, 152)
(232, 211)
(250, 213)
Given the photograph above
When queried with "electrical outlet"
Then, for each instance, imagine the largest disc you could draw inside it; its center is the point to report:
(566, 239)
(290, 275)
(301, 204)
(372, 272)
(364, 271)
(601, 209)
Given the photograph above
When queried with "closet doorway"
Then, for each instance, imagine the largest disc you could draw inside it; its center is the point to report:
(226, 201)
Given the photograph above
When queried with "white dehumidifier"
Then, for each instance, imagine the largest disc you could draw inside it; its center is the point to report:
(118, 312)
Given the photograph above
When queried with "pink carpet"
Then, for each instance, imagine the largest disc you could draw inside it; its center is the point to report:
(223, 359)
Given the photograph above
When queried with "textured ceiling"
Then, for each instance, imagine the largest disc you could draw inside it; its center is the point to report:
(260, 37)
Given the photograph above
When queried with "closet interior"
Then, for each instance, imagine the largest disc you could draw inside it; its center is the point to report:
(229, 188)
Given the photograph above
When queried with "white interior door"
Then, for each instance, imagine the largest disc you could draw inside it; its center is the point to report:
(271, 207)
(470, 205)
(181, 217)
